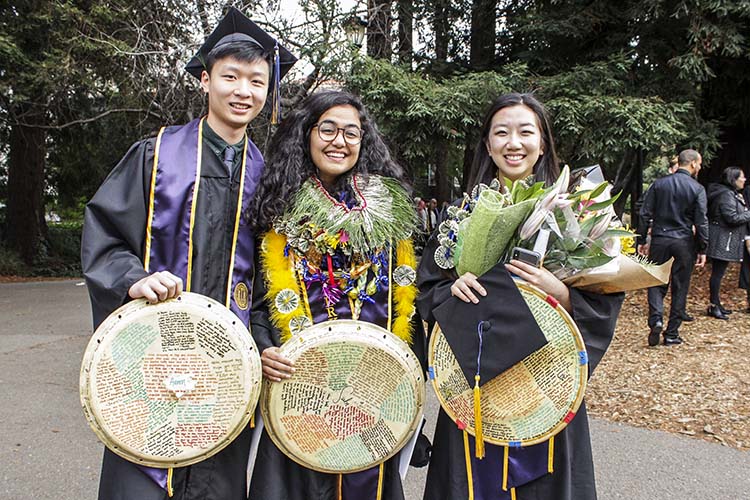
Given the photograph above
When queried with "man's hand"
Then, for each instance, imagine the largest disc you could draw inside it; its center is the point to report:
(701, 260)
(276, 366)
(643, 249)
(157, 287)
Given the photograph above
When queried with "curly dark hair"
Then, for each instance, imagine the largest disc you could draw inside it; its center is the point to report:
(289, 162)
(547, 167)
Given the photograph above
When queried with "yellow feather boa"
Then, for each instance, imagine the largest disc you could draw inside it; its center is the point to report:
(404, 296)
(280, 274)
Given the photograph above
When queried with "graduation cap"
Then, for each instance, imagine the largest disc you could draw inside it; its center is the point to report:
(490, 337)
(236, 27)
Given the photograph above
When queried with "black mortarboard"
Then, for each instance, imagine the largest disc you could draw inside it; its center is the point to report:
(236, 27)
(509, 331)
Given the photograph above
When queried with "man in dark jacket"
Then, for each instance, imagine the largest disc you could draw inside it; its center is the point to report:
(674, 206)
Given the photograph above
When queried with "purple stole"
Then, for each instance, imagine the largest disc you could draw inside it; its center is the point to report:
(175, 182)
(524, 465)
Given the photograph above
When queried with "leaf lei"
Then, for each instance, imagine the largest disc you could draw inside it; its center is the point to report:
(315, 220)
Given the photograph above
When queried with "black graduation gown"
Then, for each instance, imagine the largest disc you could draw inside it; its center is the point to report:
(278, 477)
(112, 258)
(573, 476)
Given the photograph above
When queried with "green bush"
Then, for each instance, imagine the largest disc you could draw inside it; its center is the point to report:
(59, 255)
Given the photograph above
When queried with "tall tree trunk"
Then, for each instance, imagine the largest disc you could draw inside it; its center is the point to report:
(441, 28)
(483, 15)
(379, 44)
(405, 9)
(25, 217)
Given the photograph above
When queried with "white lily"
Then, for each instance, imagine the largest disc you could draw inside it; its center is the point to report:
(600, 227)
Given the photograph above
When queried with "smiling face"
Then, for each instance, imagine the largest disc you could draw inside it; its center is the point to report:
(236, 91)
(336, 157)
(740, 182)
(515, 141)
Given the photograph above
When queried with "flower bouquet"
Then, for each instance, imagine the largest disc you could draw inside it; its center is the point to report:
(577, 233)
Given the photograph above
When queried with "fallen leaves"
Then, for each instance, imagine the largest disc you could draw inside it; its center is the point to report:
(699, 389)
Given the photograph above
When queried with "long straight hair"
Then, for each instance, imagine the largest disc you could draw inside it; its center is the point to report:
(483, 168)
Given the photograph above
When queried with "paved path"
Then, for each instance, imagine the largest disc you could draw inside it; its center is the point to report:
(48, 452)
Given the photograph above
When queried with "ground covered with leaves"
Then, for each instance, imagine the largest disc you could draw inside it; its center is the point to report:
(700, 388)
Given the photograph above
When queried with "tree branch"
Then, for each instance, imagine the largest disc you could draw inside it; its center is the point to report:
(88, 120)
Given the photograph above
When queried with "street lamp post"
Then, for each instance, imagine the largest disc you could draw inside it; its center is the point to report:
(354, 27)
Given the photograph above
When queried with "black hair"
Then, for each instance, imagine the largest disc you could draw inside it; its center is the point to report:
(289, 162)
(483, 168)
(730, 175)
(240, 50)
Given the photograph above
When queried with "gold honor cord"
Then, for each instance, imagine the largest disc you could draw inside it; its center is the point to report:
(236, 222)
(380, 481)
(152, 194)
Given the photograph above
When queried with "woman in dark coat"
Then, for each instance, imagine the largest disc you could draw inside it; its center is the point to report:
(728, 218)
(516, 143)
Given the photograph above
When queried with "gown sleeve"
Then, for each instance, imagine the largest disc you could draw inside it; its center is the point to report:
(114, 231)
(263, 331)
(596, 317)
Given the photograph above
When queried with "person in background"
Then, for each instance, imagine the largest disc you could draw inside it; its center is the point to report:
(675, 204)
(728, 218)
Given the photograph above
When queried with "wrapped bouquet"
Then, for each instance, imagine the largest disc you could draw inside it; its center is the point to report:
(573, 228)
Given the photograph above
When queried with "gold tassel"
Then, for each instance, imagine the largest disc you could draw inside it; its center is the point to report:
(478, 435)
(170, 491)
(467, 455)
(505, 468)
(512, 494)
(551, 455)
(252, 421)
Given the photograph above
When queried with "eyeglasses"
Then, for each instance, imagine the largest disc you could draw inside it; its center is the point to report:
(328, 131)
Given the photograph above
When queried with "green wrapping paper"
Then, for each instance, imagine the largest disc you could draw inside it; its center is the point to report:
(484, 237)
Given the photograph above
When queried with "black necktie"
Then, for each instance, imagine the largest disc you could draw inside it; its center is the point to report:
(229, 158)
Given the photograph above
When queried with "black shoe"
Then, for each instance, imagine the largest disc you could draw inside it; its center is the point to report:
(672, 340)
(686, 317)
(655, 334)
(715, 311)
(725, 311)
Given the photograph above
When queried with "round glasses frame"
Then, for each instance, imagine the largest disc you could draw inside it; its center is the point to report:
(331, 136)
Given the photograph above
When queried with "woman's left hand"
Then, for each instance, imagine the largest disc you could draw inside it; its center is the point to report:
(543, 279)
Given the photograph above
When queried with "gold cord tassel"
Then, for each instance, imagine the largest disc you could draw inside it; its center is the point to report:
(478, 434)
(467, 455)
(170, 490)
(512, 494)
(252, 421)
(551, 455)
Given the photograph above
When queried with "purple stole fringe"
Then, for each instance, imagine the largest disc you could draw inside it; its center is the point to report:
(177, 178)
